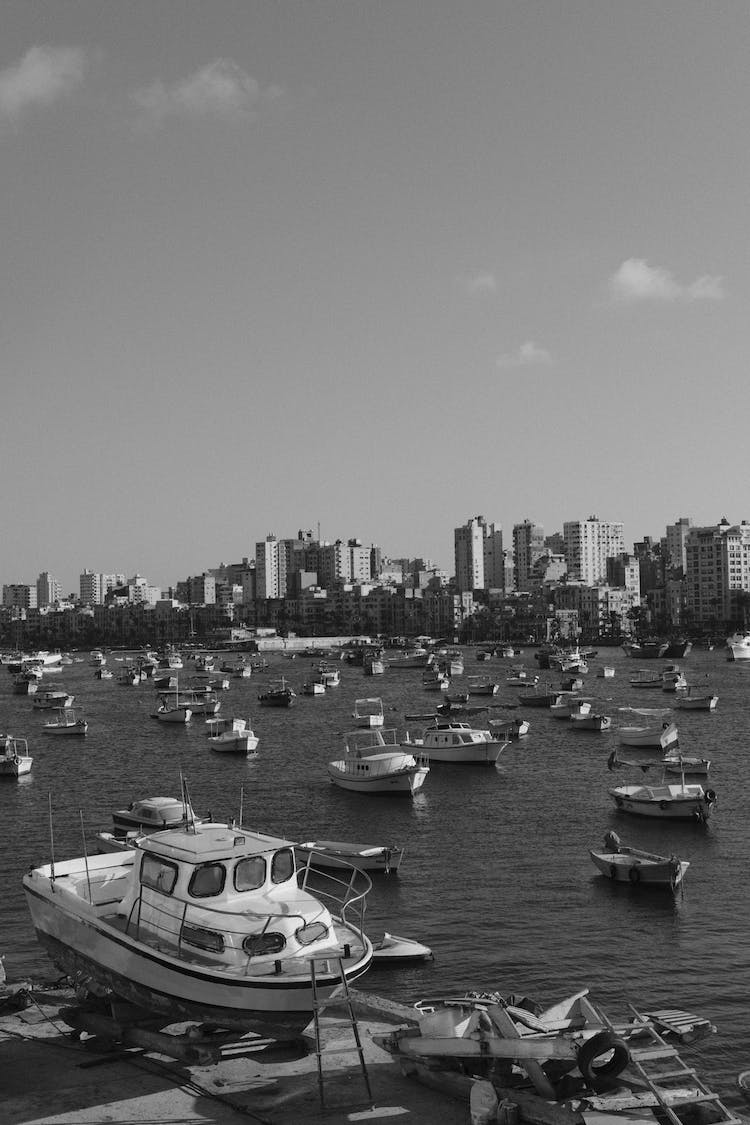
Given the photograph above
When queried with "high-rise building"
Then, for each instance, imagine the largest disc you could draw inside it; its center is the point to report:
(48, 589)
(479, 558)
(528, 548)
(588, 545)
(19, 595)
(675, 543)
(269, 576)
(717, 573)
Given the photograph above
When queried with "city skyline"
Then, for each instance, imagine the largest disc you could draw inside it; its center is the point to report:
(396, 263)
(671, 535)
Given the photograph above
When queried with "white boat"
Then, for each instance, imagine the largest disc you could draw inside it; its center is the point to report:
(172, 710)
(691, 700)
(658, 736)
(384, 858)
(153, 814)
(15, 759)
(631, 865)
(667, 801)
(415, 658)
(103, 674)
(201, 701)
(393, 950)
(644, 678)
(330, 676)
(368, 712)
(277, 694)
(482, 685)
(738, 646)
(25, 684)
(568, 704)
(314, 687)
(590, 721)
(52, 700)
(373, 666)
(511, 730)
(206, 923)
(450, 741)
(606, 673)
(234, 736)
(677, 763)
(67, 723)
(375, 763)
(97, 659)
(674, 681)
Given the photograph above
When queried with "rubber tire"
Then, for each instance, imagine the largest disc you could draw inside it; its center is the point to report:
(634, 876)
(593, 1049)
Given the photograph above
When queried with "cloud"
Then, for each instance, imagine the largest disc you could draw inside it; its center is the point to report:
(528, 355)
(636, 280)
(478, 283)
(42, 77)
(219, 90)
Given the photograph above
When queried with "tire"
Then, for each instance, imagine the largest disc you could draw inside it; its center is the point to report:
(604, 1043)
(710, 796)
(663, 805)
(634, 875)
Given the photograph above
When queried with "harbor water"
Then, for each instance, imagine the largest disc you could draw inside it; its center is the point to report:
(496, 878)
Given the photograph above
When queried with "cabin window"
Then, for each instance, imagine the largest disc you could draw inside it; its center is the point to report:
(259, 944)
(282, 866)
(207, 880)
(250, 874)
(310, 932)
(158, 874)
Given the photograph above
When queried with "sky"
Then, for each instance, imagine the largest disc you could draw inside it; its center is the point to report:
(368, 268)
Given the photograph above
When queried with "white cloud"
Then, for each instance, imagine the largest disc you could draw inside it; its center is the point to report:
(484, 282)
(636, 280)
(220, 89)
(528, 355)
(43, 75)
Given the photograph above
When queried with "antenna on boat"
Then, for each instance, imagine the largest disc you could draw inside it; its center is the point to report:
(51, 839)
(242, 802)
(189, 814)
(85, 856)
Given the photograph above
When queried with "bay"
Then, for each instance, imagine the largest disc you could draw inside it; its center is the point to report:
(496, 876)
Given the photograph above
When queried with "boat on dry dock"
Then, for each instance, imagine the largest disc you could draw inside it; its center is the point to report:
(206, 923)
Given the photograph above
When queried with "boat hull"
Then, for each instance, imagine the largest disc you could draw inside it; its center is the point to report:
(664, 802)
(652, 872)
(277, 1005)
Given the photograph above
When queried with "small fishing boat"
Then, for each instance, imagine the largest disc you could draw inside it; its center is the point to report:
(606, 673)
(232, 736)
(482, 685)
(52, 700)
(393, 950)
(661, 736)
(632, 865)
(590, 721)
(314, 687)
(67, 722)
(338, 853)
(691, 700)
(374, 762)
(667, 801)
(568, 704)
(368, 712)
(277, 694)
(455, 742)
(171, 709)
(511, 730)
(15, 760)
(207, 923)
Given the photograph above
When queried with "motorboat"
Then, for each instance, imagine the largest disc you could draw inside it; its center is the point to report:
(568, 704)
(569, 660)
(154, 814)
(97, 659)
(314, 687)
(374, 762)
(373, 665)
(25, 684)
(509, 731)
(691, 700)
(738, 646)
(643, 678)
(414, 658)
(232, 736)
(541, 695)
(200, 701)
(667, 801)
(522, 678)
(451, 741)
(368, 712)
(435, 679)
(67, 722)
(15, 760)
(482, 685)
(384, 858)
(329, 676)
(677, 763)
(393, 950)
(207, 923)
(103, 674)
(590, 721)
(657, 736)
(646, 649)
(52, 700)
(277, 694)
(631, 865)
(673, 680)
(607, 672)
(171, 709)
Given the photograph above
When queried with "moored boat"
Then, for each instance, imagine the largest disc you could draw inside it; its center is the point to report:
(657, 736)
(394, 950)
(384, 858)
(368, 712)
(15, 760)
(374, 762)
(66, 723)
(232, 736)
(455, 742)
(632, 865)
(277, 694)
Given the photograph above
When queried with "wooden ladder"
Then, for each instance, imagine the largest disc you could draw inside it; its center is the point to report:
(318, 1006)
(660, 1066)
